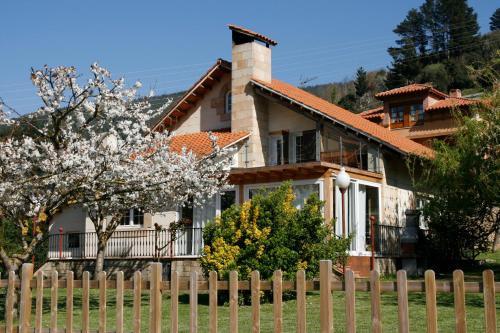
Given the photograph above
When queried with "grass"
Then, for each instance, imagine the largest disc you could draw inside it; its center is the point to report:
(474, 304)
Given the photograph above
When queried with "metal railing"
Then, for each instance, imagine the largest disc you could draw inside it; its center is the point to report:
(144, 243)
(388, 240)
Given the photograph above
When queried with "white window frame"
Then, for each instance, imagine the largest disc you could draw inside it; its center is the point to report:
(359, 238)
(236, 189)
(247, 188)
(273, 153)
(131, 224)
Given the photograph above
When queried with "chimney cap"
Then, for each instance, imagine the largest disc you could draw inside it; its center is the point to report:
(251, 35)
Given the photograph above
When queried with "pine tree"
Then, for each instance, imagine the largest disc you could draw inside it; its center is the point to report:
(495, 20)
(361, 82)
(440, 31)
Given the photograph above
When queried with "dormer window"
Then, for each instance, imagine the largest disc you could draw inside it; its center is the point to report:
(227, 103)
(416, 113)
(406, 115)
(397, 116)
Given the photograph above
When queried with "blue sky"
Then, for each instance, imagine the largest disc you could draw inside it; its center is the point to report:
(168, 44)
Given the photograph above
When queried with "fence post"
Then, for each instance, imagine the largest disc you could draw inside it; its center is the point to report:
(39, 302)
(301, 301)
(119, 302)
(69, 302)
(459, 297)
(490, 320)
(102, 302)
(403, 316)
(25, 305)
(430, 301)
(137, 301)
(54, 292)
(9, 302)
(193, 302)
(233, 301)
(174, 305)
(278, 301)
(212, 309)
(255, 291)
(375, 302)
(325, 289)
(155, 298)
(350, 302)
(85, 302)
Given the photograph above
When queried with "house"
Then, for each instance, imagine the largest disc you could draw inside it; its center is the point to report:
(419, 111)
(279, 132)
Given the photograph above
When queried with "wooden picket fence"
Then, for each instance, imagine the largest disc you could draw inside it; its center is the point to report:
(325, 285)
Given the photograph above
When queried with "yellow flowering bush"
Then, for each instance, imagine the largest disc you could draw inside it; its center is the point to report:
(268, 233)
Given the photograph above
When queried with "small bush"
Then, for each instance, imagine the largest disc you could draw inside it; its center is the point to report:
(268, 233)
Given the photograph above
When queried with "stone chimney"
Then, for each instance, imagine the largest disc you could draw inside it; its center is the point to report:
(251, 59)
(455, 93)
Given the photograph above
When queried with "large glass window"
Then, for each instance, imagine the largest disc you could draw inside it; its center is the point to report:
(416, 113)
(304, 146)
(133, 217)
(301, 191)
(361, 202)
(227, 199)
(369, 206)
(397, 115)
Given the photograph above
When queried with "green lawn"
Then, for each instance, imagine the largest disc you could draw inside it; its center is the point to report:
(474, 304)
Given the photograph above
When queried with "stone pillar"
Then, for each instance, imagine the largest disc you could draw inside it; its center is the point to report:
(249, 112)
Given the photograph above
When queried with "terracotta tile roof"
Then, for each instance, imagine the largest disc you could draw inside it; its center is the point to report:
(373, 113)
(253, 34)
(344, 117)
(410, 89)
(450, 103)
(200, 144)
(427, 133)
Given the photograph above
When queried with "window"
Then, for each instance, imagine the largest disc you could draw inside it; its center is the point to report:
(361, 201)
(298, 148)
(416, 113)
(133, 217)
(397, 116)
(73, 241)
(227, 199)
(276, 150)
(187, 212)
(227, 103)
(369, 206)
(304, 146)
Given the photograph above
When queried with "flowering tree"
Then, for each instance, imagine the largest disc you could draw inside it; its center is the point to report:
(91, 145)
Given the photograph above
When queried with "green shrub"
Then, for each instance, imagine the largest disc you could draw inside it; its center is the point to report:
(268, 233)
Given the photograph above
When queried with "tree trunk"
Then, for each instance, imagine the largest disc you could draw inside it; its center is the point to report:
(99, 260)
(10, 264)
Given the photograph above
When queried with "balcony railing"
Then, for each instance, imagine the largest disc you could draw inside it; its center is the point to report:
(130, 244)
(388, 240)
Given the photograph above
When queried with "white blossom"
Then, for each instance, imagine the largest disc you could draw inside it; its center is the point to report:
(91, 145)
